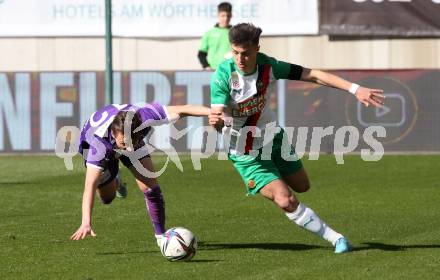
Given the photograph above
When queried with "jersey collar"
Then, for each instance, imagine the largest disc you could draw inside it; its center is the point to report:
(244, 74)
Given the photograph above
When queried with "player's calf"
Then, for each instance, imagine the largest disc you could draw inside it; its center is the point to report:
(156, 208)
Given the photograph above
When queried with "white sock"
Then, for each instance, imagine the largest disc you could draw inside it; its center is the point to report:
(159, 239)
(307, 219)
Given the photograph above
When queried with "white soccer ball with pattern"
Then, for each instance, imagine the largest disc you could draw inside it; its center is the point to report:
(178, 244)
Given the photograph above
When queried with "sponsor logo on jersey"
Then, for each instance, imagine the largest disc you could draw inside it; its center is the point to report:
(249, 106)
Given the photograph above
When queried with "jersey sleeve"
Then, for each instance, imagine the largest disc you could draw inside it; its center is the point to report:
(220, 88)
(94, 151)
(153, 114)
(285, 70)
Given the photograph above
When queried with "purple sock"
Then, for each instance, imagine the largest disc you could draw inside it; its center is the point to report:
(156, 208)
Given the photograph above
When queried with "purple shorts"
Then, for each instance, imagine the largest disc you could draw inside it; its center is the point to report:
(111, 169)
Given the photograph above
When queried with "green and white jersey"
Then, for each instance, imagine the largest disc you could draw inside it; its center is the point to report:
(246, 98)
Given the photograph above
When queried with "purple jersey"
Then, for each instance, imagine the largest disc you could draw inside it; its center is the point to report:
(96, 143)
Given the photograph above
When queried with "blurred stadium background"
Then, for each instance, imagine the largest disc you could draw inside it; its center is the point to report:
(52, 74)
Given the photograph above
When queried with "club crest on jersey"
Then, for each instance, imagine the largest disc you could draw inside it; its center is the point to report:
(235, 81)
(235, 84)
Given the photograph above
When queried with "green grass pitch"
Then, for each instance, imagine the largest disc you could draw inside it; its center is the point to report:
(389, 210)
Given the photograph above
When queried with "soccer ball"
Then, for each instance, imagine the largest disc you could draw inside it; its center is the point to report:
(178, 244)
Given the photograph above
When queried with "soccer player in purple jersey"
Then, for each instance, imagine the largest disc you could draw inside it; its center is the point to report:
(110, 135)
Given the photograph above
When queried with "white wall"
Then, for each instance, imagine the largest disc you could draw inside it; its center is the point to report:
(72, 54)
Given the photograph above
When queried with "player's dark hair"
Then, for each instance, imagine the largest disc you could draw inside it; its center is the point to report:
(122, 119)
(244, 34)
(224, 7)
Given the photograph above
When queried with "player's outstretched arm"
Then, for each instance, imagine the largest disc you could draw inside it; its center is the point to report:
(180, 111)
(365, 95)
(91, 182)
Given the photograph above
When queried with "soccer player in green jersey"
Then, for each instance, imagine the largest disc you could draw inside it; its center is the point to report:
(240, 94)
(215, 46)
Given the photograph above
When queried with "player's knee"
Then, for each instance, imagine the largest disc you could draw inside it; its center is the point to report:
(107, 200)
(287, 203)
(284, 202)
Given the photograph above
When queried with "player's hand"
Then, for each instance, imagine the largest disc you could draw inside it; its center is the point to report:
(82, 232)
(369, 96)
(216, 120)
(208, 68)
